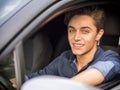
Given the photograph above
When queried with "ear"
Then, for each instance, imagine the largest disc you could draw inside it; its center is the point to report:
(99, 34)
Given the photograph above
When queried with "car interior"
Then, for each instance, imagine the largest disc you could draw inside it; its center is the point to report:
(51, 40)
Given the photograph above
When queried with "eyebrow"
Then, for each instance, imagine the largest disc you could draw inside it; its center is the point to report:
(71, 27)
(81, 27)
(86, 27)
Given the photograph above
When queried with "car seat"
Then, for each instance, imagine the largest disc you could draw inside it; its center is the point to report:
(61, 45)
(111, 38)
(37, 51)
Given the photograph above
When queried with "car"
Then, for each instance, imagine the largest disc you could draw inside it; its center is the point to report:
(33, 33)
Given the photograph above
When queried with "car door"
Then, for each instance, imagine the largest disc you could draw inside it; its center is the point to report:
(17, 25)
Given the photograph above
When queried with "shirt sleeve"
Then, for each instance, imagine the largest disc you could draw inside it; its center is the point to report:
(108, 64)
(51, 69)
(108, 68)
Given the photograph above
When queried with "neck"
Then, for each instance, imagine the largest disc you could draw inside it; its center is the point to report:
(84, 59)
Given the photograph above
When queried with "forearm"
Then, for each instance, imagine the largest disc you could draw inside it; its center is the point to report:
(90, 76)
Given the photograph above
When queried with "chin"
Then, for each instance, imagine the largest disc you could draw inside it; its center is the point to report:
(77, 52)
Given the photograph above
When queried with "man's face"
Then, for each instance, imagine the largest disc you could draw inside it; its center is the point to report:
(82, 34)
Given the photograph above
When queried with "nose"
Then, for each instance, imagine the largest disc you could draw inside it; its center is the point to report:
(77, 36)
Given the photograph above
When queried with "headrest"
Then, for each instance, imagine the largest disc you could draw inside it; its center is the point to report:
(112, 26)
(109, 40)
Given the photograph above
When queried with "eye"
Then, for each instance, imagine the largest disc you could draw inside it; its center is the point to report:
(85, 31)
(71, 30)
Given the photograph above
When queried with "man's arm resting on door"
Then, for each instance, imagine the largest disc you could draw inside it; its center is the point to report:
(90, 76)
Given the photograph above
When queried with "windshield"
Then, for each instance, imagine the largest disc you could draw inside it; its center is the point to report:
(9, 7)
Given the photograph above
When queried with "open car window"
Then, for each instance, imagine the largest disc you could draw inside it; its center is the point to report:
(56, 31)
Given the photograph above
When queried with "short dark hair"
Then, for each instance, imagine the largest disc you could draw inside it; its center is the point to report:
(97, 13)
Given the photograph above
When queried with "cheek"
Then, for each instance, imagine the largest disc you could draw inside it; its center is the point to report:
(90, 39)
(70, 37)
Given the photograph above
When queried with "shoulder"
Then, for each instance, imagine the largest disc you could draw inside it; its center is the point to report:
(107, 54)
(110, 55)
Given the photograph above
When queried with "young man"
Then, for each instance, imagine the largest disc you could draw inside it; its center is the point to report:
(85, 62)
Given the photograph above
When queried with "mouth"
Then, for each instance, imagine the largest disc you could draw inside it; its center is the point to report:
(78, 45)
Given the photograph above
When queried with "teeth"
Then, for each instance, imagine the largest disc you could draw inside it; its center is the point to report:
(78, 45)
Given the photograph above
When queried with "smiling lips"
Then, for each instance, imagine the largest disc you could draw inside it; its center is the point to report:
(78, 45)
